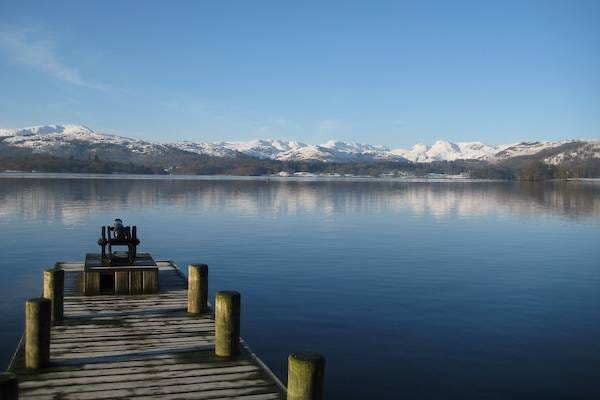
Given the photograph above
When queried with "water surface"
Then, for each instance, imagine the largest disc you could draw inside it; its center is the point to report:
(445, 290)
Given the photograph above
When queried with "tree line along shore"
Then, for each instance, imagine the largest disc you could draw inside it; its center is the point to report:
(513, 169)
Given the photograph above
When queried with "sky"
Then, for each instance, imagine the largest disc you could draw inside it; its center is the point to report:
(392, 73)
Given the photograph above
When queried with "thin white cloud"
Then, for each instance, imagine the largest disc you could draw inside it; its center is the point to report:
(330, 125)
(28, 48)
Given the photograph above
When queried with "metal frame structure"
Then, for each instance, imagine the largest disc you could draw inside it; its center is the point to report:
(118, 235)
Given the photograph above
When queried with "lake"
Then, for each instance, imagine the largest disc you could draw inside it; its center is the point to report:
(429, 290)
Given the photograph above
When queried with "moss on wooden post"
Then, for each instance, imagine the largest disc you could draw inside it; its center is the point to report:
(197, 288)
(37, 332)
(305, 376)
(227, 323)
(9, 386)
(54, 290)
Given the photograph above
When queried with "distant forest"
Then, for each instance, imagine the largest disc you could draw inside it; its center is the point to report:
(514, 169)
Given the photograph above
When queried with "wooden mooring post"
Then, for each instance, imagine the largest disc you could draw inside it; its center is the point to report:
(305, 376)
(38, 321)
(227, 323)
(54, 288)
(197, 288)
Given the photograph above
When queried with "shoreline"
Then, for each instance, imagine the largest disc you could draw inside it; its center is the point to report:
(275, 178)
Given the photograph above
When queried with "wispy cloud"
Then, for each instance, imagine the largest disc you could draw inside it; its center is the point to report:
(330, 125)
(30, 48)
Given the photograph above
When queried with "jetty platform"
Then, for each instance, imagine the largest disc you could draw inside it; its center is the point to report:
(140, 346)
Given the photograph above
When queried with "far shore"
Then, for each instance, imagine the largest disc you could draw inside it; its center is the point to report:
(277, 178)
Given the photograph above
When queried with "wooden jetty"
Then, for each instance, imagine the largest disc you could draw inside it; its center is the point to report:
(140, 346)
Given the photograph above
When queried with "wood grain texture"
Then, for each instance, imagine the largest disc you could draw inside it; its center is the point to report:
(150, 281)
(197, 288)
(92, 282)
(135, 282)
(54, 284)
(121, 282)
(140, 346)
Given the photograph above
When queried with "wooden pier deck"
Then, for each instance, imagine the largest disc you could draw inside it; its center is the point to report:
(140, 346)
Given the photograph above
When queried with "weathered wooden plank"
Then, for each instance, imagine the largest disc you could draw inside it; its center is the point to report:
(133, 374)
(114, 344)
(261, 396)
(105, 335)
(150, 304)
(111, 382)
(84, 357)
(102, 330)
(198, 360)
(179, 392)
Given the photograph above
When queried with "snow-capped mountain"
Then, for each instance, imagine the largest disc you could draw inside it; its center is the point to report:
(263, 149)
(442, 150)
(47, 129)
(82, 142)
(208, 149)
(335, 150)
(332, 150)
(528, 148)
(79, 142)
(576, 153)
(56, 139)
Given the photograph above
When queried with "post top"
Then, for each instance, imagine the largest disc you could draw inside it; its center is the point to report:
(202, 267)
(53, 271)
(307, 356)
(39, 300)
(228, 293)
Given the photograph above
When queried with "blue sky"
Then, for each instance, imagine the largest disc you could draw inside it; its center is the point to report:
(392, 73)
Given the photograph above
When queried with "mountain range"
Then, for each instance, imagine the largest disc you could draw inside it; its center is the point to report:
(77, 142)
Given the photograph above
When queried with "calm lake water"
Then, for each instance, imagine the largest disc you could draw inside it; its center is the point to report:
(447, 290)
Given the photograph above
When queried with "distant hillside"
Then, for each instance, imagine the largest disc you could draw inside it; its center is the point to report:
(76, 148)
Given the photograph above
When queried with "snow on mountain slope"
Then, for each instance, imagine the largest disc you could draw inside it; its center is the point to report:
(443, 150)
(527, 148)
(303, 151)
(354, 148)
(585, 151)
(418, 153)
(46, 129)
(209, 149)
(81, 142)
(346, 150)
(292, 150)
(477, 150)
(78, 141)
(262, 149)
